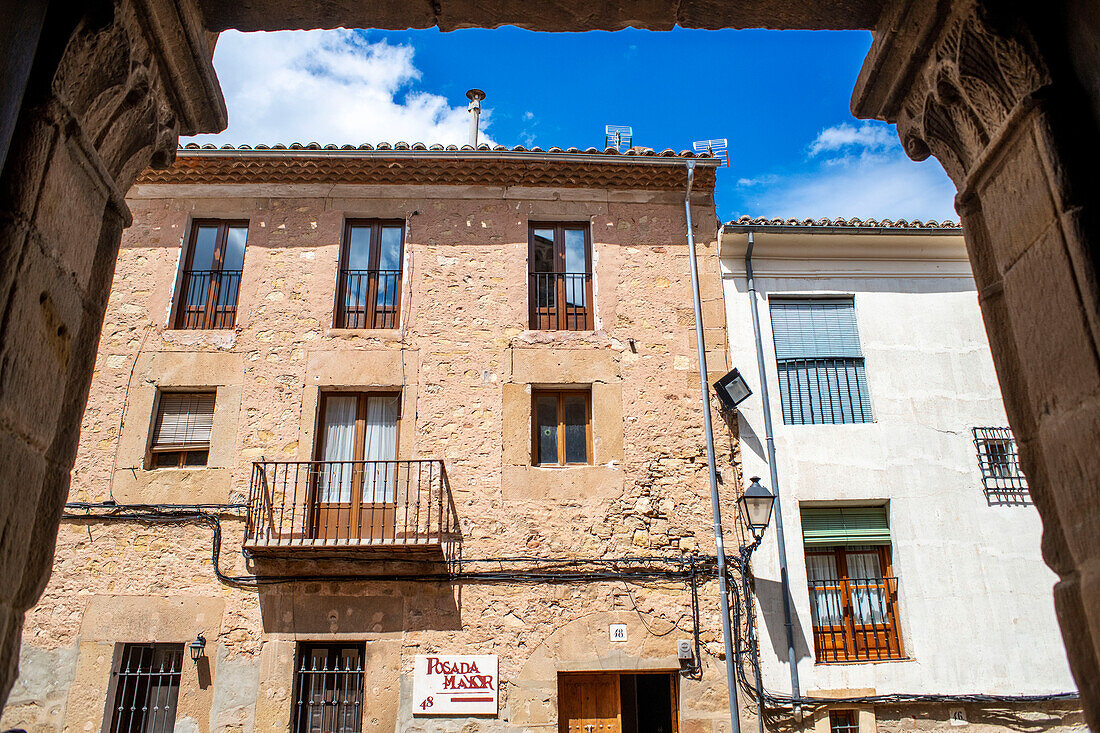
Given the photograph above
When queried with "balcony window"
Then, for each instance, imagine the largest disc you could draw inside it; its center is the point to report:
(853, 594)
(560, 277)
(355, 489)
(562, 427)
(822, 378)
(181, 434)
(211, 275)
(999, 461)
(368, 292)
(145, 685)
(328, 688)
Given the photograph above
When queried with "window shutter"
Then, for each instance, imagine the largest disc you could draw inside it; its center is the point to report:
(814, 328)
(848, 525)
(184, 420)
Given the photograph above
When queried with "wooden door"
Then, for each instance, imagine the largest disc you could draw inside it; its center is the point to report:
(589, 703)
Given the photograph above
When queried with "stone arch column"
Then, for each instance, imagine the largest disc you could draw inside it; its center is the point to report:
(989, 88)
(112, 85)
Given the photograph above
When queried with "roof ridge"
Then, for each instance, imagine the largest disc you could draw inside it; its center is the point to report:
(402, 146)
(841, 223)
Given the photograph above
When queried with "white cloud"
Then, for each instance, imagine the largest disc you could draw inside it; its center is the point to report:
(854, 172)
(882, 187)
(868, 136)
(329, 87)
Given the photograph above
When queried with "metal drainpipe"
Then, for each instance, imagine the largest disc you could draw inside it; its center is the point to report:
(704, 386)
(784, 580)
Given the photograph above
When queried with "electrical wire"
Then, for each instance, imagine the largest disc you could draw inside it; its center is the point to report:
(688, 569)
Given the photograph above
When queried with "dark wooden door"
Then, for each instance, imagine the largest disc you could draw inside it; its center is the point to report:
(589, 703)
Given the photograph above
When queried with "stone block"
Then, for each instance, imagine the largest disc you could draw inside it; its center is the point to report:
(1016, 199)
(1054, 342)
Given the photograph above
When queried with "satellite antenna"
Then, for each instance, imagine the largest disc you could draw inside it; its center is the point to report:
(620, 137)
(719, 148)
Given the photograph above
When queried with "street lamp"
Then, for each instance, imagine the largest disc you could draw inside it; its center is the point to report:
(197, 647)
(732, 390)
(756, 506)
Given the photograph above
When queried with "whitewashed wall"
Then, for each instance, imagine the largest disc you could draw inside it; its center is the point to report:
(975, 604)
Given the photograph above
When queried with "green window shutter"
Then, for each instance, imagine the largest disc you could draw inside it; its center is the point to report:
(848, 525)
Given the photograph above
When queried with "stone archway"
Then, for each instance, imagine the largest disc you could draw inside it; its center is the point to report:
(1005, 94)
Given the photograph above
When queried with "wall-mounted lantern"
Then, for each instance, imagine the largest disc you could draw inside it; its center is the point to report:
(197, 647)
(756, 506)
(732, 390)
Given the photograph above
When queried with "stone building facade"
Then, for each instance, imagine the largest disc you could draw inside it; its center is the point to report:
(911, 537)
(312, 472)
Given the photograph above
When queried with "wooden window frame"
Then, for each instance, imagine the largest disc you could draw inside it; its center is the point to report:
(209, 312)
(561, 316)
(371, 313)
(378, 513)
(561, 394)
(183, 451)
(852, 655)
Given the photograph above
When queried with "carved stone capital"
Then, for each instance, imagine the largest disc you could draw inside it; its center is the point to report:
(953, 76)
(135, 76)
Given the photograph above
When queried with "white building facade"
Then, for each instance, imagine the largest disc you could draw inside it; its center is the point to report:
(912, 546)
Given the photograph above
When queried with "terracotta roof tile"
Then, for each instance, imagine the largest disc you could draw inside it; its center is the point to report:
(763, 221)
(417, 163)
(636, 151)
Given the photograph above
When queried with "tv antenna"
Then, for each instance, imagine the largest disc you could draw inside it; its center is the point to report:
(620, 137)
(718, 147)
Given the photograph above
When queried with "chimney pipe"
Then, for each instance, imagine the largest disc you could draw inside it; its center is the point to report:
(475, 96)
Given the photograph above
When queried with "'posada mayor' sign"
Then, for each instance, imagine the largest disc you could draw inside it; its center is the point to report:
(455, 684)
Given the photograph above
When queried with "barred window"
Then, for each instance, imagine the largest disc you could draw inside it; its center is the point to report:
(329, 688)
(368, 290)
(821, 371)
(843, 721)
(1000, 464)
(181, 435)
(146, 685)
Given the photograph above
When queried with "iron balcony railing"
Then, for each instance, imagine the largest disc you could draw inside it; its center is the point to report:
(855, 620)
(209, 299)
(368, 298)
(351, 504)
(561, 301)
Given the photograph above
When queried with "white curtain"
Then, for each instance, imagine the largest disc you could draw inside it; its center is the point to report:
(380, 479)
(825, 594)
(339, 445)
(868, 588)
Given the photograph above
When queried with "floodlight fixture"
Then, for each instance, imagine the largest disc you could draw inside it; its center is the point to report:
(732, 390)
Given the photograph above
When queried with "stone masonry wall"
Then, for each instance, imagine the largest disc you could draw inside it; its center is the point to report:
(465, 363)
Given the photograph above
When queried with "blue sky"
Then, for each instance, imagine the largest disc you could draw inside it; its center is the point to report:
(781, 98)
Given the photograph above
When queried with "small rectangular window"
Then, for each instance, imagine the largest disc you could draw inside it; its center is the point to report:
(843, 721)
(328, 685)
(181, 433)
(562, 422)
(146, 684)
(559, 264)
(999, 460)
(368, 292)
(211, 275)
(821, 370)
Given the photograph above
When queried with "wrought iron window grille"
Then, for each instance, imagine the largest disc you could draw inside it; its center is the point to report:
(146, 688)
(329, 689)
(999, 459)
